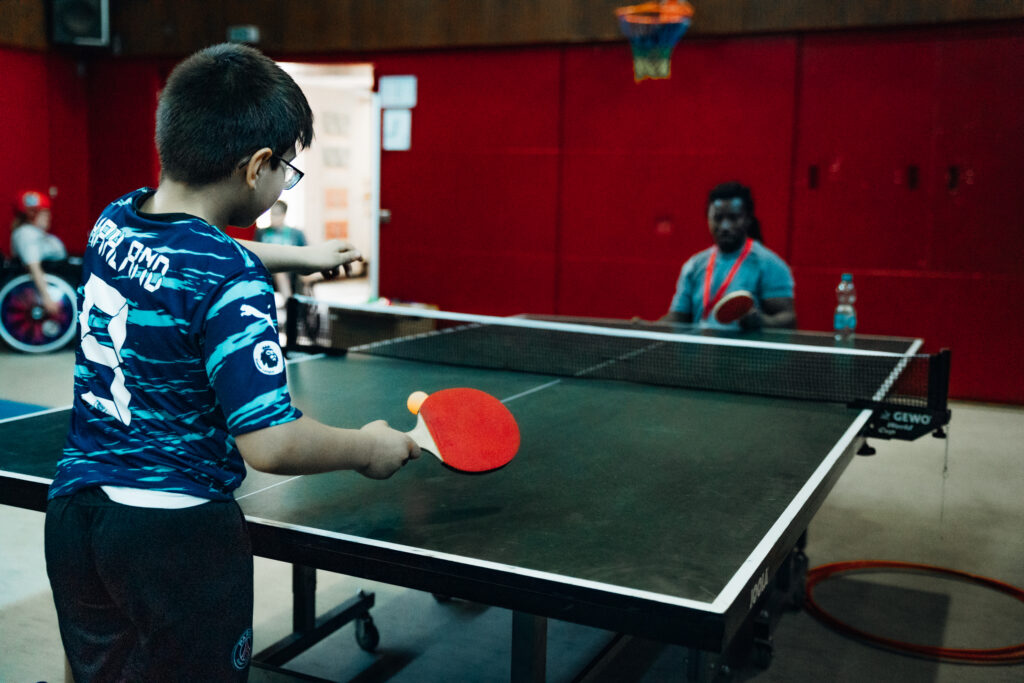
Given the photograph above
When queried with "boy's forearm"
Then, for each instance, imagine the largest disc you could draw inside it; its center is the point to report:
(305, 446)
(278, 258)
(325, 257)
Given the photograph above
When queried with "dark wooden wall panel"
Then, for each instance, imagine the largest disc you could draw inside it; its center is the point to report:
(330, 28)
(23, 24)
(166, 27)
(753, 16)
(452, 23)
(178, 27)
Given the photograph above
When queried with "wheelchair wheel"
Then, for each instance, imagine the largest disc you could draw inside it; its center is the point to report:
(24, 323)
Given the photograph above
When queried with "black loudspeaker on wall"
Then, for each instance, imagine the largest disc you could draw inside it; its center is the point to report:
(80, 22)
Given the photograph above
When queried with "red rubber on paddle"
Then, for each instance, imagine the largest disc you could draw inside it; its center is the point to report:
(733, 307)
(474, 431)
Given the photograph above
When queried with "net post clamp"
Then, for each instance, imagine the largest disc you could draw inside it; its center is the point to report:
(898, 421)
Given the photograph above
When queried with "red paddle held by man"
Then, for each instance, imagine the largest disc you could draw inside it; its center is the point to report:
(466, 429)
(732, 306)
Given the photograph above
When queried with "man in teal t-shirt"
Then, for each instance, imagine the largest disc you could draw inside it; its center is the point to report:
(741, 262)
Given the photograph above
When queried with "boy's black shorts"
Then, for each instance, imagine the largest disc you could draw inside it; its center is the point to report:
(146, 594)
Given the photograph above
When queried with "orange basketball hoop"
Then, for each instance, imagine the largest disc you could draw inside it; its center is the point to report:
(653, 29)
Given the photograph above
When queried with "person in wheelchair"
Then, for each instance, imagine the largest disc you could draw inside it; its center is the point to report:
(38, 307)
(32, 243)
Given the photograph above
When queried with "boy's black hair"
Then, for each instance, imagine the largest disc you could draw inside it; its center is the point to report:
(222, 104)
(734, 190)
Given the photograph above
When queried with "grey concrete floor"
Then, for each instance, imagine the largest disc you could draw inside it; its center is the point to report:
(914, 502)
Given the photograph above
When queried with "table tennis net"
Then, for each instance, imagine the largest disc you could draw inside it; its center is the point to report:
(813, 368)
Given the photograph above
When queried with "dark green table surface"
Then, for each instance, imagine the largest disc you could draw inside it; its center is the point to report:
(676, 496)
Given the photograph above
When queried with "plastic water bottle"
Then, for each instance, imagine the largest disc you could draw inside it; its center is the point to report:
(845, 320)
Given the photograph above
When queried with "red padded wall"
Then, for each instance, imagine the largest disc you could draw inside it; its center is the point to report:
(474, 202)
(935, 260)
(122, 126)
(68, 131)
(581, 191)
(979, 130)
(864, 119)
(82, 127)
(25, 142)
(641, 158)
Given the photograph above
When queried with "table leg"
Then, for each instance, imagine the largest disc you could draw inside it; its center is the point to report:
(303, 598)
(529, 647)
(308, 628)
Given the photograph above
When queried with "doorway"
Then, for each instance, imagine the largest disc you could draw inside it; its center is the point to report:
(339, 195)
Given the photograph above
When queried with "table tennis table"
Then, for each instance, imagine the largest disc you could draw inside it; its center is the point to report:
(657, 512)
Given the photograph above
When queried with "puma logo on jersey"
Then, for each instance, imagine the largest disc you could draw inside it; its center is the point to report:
(254, 312)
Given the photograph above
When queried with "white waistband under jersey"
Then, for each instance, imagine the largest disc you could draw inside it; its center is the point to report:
(147, 498)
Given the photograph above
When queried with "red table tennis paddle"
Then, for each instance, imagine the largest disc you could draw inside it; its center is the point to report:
(466, 429)
(732, 306)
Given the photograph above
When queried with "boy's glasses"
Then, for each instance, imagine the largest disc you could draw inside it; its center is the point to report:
(292, 175)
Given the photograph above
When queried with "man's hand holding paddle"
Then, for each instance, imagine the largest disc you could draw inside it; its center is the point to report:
(737, 307)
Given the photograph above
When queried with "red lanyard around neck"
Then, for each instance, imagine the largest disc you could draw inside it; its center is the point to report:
(709, 303)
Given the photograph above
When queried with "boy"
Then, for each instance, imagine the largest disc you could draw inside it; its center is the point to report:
(178, 379)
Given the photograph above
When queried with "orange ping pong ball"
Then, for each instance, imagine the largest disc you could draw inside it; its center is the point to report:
(416, 400)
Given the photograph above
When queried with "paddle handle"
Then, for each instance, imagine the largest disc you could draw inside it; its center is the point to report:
(421, 435)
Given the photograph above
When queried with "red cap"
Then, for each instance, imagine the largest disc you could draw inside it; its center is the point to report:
(31, 202)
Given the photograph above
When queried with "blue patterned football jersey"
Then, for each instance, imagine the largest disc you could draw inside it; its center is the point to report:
(178, 355)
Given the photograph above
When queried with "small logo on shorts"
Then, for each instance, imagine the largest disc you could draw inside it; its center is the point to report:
(268, 358)
(242, 653)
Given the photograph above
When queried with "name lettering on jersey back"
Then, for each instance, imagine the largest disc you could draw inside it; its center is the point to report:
(139, 263)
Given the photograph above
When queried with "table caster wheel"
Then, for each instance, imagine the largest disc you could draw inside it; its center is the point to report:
(367, 634)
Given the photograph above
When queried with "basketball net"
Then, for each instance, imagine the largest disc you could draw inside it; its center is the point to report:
(653, 29)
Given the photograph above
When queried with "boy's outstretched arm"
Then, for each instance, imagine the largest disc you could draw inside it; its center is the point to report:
(305, 446)
(326, 256)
